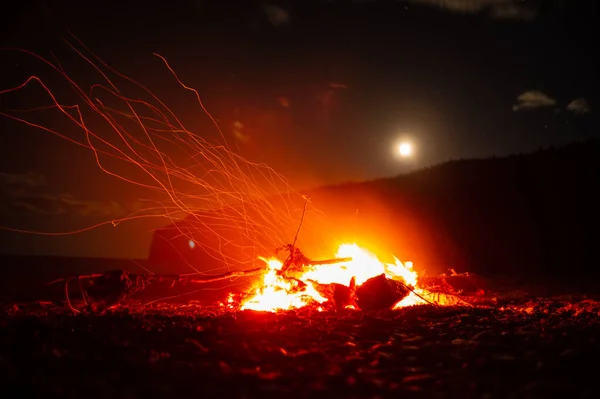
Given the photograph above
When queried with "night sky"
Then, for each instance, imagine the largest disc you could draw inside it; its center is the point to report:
(320, 90)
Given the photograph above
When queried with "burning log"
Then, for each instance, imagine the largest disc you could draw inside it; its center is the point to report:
(225, 276)
(338, 295)
(296, 261)
(378, 293)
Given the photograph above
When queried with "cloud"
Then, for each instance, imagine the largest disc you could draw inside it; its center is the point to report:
(513, 11)
(533, 99)
(579, 106)
(23, 191)
(500, 9)
(64, 203)
(277, 16)
(29, 179)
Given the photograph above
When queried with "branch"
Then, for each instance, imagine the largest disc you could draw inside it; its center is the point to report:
(225, 276)
(329, 261)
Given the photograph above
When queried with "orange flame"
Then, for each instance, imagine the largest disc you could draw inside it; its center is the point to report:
(275, 292)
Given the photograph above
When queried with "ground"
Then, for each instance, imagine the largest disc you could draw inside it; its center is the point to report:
(523, 347)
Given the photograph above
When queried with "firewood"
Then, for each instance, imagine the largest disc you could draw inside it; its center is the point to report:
(378, 293)
(338, 295)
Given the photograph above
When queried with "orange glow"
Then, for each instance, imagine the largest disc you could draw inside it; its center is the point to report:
(133, 136)
(275, 292)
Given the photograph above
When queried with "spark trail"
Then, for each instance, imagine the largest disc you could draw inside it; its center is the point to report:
(207, 190)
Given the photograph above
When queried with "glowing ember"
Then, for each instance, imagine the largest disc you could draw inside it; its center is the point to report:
(277, 292)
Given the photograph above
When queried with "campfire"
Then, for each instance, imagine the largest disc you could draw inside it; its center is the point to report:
(348, 279)
(355, 279)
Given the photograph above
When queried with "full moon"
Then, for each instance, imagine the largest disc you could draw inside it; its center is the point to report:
(405, 150)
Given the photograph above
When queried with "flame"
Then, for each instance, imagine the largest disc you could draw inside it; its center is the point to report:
(275, 292)
(278, 293)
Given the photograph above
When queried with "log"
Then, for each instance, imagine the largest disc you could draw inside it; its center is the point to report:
(338, 295)
(225, 276)
(379, 293)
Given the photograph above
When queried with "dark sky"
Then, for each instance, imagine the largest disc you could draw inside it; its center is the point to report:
(320, 90)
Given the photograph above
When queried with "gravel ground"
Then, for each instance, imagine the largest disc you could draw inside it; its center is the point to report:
(543, 347)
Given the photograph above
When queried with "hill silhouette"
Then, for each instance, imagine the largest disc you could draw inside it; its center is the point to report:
(532, 214)
(527, 215)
